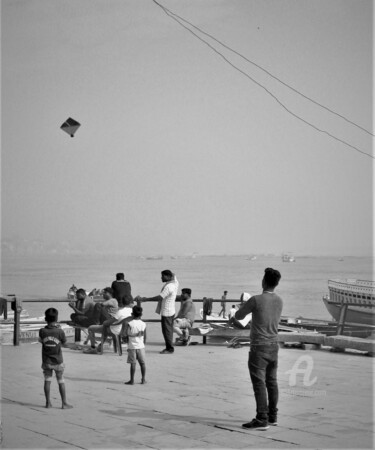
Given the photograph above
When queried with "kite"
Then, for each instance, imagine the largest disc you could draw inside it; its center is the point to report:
(70, 126)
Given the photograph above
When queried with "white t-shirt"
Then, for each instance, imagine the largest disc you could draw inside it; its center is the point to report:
(136, 329)
(122, 313)
(169, 294)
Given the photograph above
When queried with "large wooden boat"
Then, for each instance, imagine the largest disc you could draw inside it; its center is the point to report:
(358, 294)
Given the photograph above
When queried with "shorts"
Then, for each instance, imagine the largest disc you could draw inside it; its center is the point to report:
(136, 354)
(48, 371)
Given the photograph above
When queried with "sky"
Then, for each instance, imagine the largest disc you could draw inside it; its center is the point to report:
(187, 145)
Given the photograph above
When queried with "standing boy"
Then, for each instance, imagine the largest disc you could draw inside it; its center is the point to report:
(52, 337)
(264, 347)
(136, 332)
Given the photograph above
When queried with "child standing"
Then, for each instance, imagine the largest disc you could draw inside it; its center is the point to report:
(136, 332)
(52, 337)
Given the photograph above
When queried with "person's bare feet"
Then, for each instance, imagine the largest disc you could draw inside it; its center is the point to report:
(143, 382)
(66, 406)
(49, 405)
(129, 382)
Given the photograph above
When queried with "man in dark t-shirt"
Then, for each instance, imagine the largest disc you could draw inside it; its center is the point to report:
(122, 290)
(263, 357)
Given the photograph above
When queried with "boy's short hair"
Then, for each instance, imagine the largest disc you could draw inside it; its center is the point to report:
(51, 315)
(137, 311)
(271, 277)
(186, 291)
(120, 276)
(109, 290)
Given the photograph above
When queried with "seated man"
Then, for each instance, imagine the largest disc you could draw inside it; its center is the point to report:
(83, 315)
(185, 318)
(122, 290)
(112, 314)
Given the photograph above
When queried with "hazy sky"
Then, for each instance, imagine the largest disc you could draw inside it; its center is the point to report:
(178, 151)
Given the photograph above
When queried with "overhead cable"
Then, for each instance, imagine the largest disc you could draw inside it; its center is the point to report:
(176, 19)
(265, 70)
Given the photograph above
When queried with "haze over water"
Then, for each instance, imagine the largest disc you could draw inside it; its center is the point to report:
(302, 286)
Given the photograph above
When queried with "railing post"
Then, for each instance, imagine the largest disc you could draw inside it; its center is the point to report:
(77, 335)
(17, 308)
(5, 310)
(204, 321)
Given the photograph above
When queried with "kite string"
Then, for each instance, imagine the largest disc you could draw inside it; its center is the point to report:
(261, 86)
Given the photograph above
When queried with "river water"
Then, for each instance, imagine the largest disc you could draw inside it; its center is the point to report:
(302, 285)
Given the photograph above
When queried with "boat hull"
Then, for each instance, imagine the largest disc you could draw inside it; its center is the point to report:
(354, 314)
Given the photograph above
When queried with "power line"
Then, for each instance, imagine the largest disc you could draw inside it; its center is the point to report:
(172, 16)
(266, 71)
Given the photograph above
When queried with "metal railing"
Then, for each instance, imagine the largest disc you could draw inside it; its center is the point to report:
(16, 306)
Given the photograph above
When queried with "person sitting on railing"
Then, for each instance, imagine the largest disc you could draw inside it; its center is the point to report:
(185, 318)
(83, 315)
(110, 310)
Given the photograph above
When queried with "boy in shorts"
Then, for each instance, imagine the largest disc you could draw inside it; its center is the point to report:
(52, 337)
(136, 332)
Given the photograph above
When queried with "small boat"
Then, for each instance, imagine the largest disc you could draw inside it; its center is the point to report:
(94, 293)
(72, 292)
(360, 294)
(10, 316)
(288, 257)
(29, 328)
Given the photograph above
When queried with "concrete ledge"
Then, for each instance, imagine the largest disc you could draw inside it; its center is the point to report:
(305, 338)
(343, 342)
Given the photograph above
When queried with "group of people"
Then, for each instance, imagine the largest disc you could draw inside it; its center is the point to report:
(265, 309)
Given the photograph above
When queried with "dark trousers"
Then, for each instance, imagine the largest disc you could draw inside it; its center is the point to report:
(167, 330)
(263, 374)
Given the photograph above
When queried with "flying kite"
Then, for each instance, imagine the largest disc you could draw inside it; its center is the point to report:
(70, 126)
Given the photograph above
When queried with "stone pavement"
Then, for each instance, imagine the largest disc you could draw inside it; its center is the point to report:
(196, 398)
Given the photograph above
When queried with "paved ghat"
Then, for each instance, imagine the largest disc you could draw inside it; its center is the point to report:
(196, 398)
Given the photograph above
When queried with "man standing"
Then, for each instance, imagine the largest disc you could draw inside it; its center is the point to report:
(122, 290)
(166, 307)
(185, 318)
(223, 304)
(266, 311)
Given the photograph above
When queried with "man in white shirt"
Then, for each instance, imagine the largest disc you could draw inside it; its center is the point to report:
(166, 307)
